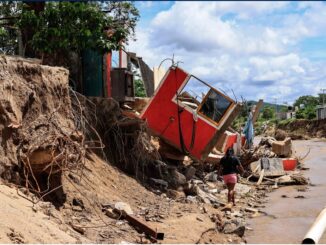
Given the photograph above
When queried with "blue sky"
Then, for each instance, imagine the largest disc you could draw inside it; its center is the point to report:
(269, 50)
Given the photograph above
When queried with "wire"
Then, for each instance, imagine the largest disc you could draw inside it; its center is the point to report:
(164, 61)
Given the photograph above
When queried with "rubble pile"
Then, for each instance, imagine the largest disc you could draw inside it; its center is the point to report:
(268, 147)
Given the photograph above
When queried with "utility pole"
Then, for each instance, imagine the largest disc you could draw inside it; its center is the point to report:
(323, 94)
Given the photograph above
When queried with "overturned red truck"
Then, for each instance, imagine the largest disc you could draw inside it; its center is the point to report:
(189, 114)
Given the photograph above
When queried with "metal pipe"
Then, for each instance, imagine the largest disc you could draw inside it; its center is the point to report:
(316, 230)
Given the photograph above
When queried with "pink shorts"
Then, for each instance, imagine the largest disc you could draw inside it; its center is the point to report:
(230, 179)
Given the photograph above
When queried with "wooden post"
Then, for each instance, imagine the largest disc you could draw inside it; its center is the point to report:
(256, 112)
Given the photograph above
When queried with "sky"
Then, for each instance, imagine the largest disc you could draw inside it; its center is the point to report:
(274, 51)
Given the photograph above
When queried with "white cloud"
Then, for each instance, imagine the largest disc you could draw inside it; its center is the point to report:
(257, 59)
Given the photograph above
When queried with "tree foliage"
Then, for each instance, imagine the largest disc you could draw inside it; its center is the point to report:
(306, 100)
(74, 26)
(8, 29)
(308, 111)
(268, 112)
(139, 88)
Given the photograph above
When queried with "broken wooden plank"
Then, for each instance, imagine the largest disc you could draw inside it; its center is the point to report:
(257, 109)
(141, 225)
(261, 177)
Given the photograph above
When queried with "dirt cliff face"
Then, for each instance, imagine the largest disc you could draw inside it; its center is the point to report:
(36, 121)
(300, 129)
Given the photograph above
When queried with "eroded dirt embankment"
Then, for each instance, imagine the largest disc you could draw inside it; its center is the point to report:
(304, 129)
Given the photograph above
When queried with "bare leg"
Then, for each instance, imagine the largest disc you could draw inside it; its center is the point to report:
(230, 192)
(233, 199)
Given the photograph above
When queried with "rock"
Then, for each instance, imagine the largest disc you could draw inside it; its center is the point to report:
(280, 134)
(191, 189)
(240, 230)
(78, 202)
(268, 141)
(299, 196)
(124, 207)
(175, 194)
(176, 179)
(156, 169)
(236, 214)
(199, 219)
(203, 196)
(205, 210)
(302, 188)
(211, 177)
(240, 189)
(229, 227)
(234, 227)
(159, 183)
(191, 199)
(216, 205)
(197, 182)
(77, 208)
(73, 178)
(190, 172)
(299, 179)
(121, 222)
(227, 208)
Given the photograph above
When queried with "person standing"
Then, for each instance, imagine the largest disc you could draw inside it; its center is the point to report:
(229, 167)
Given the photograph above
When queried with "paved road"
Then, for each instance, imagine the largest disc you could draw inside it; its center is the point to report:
(290, 218)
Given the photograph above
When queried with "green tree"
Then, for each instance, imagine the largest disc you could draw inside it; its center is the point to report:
(268, 112)
(9, 32)
(139, 88)
(306, 100)
(308, 111)
(63, 27)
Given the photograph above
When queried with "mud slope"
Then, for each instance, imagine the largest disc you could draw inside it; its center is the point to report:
(20, 222)
(102, 183)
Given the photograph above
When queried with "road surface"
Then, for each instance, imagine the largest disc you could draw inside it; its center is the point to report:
(290, 218)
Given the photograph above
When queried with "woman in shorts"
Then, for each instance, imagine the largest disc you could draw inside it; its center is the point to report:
(230, 166)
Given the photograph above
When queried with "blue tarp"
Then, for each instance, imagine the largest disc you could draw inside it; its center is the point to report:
(248, 130)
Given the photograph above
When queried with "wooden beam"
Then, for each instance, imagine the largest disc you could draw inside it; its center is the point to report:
(257, 109)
